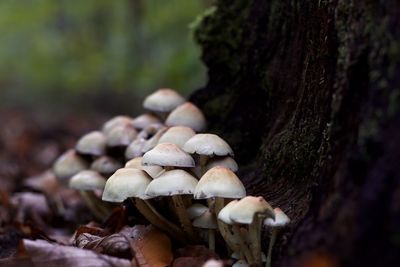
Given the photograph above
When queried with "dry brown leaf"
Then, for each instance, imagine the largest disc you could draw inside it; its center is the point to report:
(43, 253)
(152, 247)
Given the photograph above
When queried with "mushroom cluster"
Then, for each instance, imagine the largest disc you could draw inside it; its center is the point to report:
(165, 156)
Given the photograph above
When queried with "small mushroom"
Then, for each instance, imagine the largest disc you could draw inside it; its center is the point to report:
(121, 135)
(143, 121)
(240, 263)
(220, 183)
(207, 146)
(105, 165)
(132, 183)
(195, 210)
(69, 164)
(252, 211)
(281, 220)
(114, 122)
(92, 144)
(86, 182)
(175, 183)
(207, 221)
(177, 135)
(163, 101)
(167, 155)
(135, 149)
(187, 115)
(136, 163)
(226, 162)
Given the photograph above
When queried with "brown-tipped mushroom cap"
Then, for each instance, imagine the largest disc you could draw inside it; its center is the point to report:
(145, 120)
(206, 221)
(163, 100)
(167, 155)
(187, 115)
(281, 219)
(136, 163)
(226, 162)
(87, 180)
(208, 144)
(116, 121)
(93, 143)
(170, 183)
(245, 209)
(177, 135)
(219, 182)
(121, 135)
(125, 183)
(69, 164)
(105, 165)
(224, 214)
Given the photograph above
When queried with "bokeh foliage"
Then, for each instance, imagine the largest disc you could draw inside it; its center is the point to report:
(69, 47)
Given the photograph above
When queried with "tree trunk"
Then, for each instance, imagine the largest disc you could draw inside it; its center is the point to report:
(307, 93)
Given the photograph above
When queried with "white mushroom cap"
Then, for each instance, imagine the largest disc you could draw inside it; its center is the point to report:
(195, 210)
(121, 135)
(206, 221)
(135, 149)
(177, 135)
(247, 208)
(69, 164)
(105, 165)
(224, 214)
(87, 180)
(187, 115)
(116, 121)
(219, 182)
(226, 162)
(281, 219)
(163, 100)
(208, 144)
(145, 120)
(168, 155)
(213, 263)
(125, 183)
(174, 182)
(93, 143)
(136, 163)
(153, 141)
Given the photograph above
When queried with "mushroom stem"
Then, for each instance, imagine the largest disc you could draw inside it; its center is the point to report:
(180, 210)
(97, 207)
(243, 247)
(203, 161)
(270, 246)
(255, 237)
(159, 221)
(211, 239)
(223, 227)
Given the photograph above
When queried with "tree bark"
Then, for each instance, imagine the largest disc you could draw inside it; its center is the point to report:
(307, 93)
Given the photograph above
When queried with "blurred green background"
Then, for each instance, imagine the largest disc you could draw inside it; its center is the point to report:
(97, 55)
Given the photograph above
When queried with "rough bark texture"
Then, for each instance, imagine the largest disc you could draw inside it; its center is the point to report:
(307, 93)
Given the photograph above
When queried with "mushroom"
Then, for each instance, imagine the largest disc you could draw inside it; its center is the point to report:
(167, 155)
(114, 122)
(132, 183)
(240, 263)
(226, 162)
(86, 182)
(136, 163)
(251, 211)
(135, 149)
(188, 115)
(143, 121)
(237, 239)
(92, 144)
(175, 183)
(207, 221)
(281, 220)
(220, 183)
(177, 135)
(195, 210)
(68, 164)
(105, 165)
(207, 146)
(163, 101)
(121, 135)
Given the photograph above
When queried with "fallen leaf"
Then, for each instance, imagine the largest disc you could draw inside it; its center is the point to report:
(152, 248)
(43, 253)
